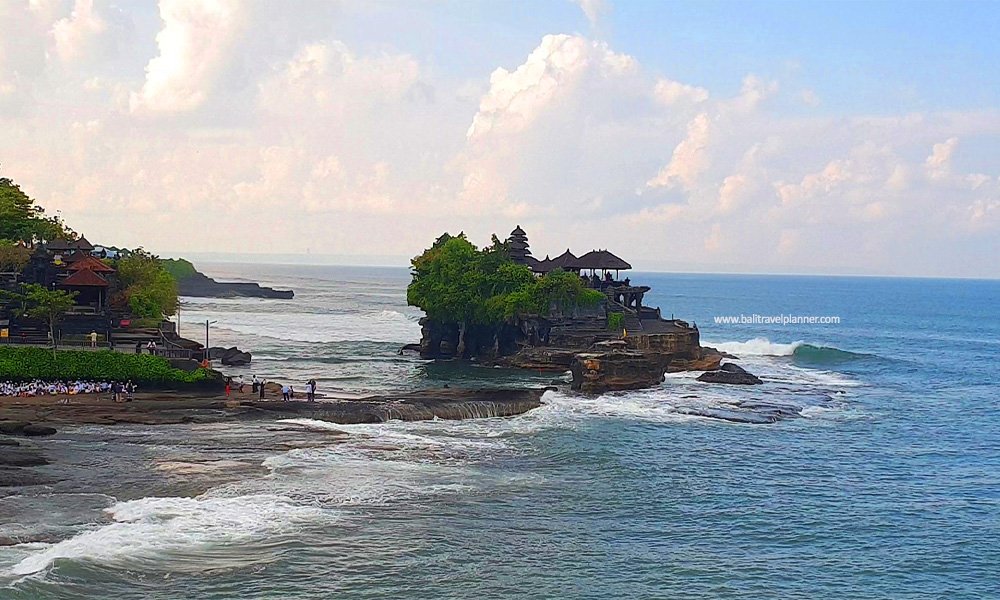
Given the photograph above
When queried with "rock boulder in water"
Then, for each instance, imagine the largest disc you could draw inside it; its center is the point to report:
(32, 430)
(597, 372)
(231, 357)
(732, 374)
(13, 427)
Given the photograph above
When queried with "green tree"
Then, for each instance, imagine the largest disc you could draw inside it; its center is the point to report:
(13, 257)
(454, 282)
(47, 305)
(22, 220)
(147, 288)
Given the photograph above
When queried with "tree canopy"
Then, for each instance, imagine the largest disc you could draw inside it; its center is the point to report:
(22, 220)
(456, 282)
(149, 291)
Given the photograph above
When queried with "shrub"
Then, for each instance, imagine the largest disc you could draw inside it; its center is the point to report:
(39, 363)
(616, 321)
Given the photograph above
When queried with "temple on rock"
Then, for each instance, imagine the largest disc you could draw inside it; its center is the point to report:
(595, 269)
(640, 336)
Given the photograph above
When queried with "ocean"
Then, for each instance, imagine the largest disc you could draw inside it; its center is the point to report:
(885, 482)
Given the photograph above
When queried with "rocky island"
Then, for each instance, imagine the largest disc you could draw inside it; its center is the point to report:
(500, 305)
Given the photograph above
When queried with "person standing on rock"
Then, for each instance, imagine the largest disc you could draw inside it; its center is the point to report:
(286, 392)
(311, 390)
(229, 386)
(260, 388)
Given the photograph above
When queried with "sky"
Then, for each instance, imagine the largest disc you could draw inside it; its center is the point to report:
(747, 137)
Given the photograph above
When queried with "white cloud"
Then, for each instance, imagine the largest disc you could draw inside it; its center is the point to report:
(516, 98)
(330, 78)
(938, 164)
(194, 45)
(593, 9)
(76, 35)
(753, 92)
(690, 158)
(671, 92)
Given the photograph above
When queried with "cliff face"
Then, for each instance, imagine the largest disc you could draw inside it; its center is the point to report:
(599, 359)
(202, 286)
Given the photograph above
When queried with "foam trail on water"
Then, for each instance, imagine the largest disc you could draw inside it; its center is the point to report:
(179, 533)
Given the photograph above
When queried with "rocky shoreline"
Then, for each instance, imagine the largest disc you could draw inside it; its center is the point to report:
(26, 421)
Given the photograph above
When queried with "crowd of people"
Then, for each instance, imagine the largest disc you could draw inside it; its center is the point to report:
(259, 387)
(124, 391)
(54, 388)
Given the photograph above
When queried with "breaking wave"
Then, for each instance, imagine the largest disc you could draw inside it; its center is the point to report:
(187, 530)
(758, 347)
(799, 351)
(825, 355)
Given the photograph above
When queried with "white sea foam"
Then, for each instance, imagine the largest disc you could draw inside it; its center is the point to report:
(181, 529)
(756, 347)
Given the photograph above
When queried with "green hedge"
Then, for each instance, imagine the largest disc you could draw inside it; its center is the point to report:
(104, 365)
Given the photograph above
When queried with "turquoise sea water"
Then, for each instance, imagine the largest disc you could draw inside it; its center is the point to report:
(886, 483)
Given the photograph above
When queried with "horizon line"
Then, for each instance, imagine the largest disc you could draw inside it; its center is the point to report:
(359, 261)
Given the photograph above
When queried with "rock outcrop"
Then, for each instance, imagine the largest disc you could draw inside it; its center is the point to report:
(202, 286)
(231, 357)
(730, 373)
(613, 367)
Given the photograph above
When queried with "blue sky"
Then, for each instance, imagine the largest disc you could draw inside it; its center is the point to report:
(815, 137)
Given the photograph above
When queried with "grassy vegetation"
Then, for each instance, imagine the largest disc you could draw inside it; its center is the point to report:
(40, 363)
(616, 321)
(178, 268)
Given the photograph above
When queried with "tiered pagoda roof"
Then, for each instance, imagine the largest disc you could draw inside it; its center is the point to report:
(83, 244)
(60, 245)
(89, 263)
(85, 278)
(518, 248)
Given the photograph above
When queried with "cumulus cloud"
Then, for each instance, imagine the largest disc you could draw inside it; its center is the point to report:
(690, 158)
(194, 46)
(516, 98)
(328, 77)
(938, 164)
(76, 35)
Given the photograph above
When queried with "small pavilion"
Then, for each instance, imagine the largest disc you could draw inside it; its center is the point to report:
(89, 284)
(595, 261)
